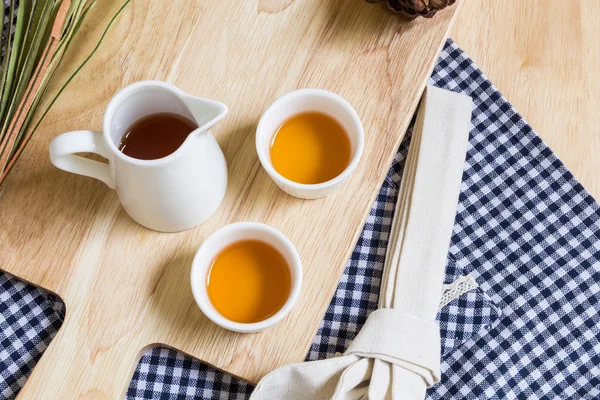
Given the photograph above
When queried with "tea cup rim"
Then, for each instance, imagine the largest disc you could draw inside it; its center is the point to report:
(311, 190)
(205, 255)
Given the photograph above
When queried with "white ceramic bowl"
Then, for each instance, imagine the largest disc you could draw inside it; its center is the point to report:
(222, 238)
(304, 100)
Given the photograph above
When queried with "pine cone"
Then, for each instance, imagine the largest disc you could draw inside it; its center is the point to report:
(415, 8)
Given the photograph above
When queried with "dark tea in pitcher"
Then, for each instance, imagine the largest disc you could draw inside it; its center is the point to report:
(156, 136)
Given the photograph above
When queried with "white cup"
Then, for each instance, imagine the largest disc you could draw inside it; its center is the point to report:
(226, 236)
(306, 100)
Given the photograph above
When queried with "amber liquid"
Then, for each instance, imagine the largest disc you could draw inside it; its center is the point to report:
(310, 148)
(248, 281)
(156, 136)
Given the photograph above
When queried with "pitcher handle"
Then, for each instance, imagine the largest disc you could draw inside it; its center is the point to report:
(63, 147)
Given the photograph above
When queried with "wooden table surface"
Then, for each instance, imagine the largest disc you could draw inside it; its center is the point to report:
(545, 59)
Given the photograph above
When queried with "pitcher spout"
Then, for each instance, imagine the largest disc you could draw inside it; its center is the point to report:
(205, 112)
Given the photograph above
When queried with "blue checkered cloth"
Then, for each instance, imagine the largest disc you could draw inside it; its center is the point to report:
(525, 229)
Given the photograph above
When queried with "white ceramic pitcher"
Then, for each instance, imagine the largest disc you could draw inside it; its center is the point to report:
(169, 194)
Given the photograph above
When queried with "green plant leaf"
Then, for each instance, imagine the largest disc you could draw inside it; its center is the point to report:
(24, 76)
(24, 17)
(83, 63)
(1, 34)
(21, 25)
(64, 44)
(7, 54)
(29, 6)
(36, 19)
(73, 15)
(58, 57)
(68, 36)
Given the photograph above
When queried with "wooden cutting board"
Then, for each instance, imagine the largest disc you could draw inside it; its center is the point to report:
(126, 287)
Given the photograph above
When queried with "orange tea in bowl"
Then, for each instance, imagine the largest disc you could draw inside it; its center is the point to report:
(246, 277)
(310, 148)
(248, 281)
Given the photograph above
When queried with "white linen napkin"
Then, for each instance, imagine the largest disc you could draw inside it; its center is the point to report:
(396, 355)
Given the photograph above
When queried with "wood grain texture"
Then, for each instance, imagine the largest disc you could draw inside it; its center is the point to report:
(545, 59)
(126, 287)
